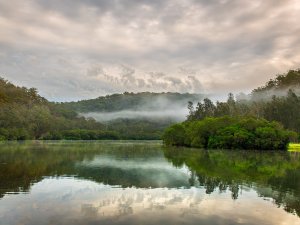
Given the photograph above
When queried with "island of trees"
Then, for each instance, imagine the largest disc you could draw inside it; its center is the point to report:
(268, 118)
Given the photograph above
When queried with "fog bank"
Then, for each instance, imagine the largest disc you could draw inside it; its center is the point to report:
(176, 114)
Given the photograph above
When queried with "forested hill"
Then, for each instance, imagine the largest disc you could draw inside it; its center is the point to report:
(279, 85)
(10, 93)
(26, 115)
(135, 102)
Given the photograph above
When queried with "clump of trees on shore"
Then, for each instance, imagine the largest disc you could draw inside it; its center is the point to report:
(229, 133)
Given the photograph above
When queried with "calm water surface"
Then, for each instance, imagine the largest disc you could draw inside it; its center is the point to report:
(145, 183)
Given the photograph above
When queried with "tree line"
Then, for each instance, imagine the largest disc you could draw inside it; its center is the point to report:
(26, 115)
(283, 109)
(278, 100)
(244, 122)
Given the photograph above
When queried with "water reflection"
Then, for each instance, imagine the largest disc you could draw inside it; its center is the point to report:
(143, 183)
(272, 174)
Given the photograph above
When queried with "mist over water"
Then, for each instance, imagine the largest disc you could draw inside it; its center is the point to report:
(176, 114)
(153, 108)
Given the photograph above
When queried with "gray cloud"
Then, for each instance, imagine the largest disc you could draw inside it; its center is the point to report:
(80, 49)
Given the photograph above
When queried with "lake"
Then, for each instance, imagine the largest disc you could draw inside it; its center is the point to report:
(143, 182)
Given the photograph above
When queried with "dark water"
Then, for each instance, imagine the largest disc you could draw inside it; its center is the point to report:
(145, 183)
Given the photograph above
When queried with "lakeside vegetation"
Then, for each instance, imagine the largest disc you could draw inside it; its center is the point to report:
(294, 147)
(255, 121)
(229, 133)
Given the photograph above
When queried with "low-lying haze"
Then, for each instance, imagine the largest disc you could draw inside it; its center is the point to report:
(173, 115)
(145, 106)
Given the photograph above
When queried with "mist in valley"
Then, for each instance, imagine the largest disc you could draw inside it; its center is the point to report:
(176, 115)
(152, 107)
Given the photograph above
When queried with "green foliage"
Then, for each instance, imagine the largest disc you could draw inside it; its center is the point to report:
(283, 109)
(294, 147)
(81, 134)
(281, 82)
(26, 115)
(139, 129)
(10, 93)
(175, 135)
(229, 133)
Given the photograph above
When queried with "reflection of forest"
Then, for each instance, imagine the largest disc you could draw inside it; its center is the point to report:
(125, 164)
(272, 174)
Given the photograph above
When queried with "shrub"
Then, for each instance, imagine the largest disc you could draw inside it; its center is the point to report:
(174, 135)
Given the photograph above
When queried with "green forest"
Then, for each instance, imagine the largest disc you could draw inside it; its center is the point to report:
(255, 121)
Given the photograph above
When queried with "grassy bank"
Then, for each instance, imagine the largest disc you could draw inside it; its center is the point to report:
(294, 147)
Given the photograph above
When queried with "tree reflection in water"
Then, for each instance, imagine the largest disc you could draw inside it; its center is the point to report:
(273, 175)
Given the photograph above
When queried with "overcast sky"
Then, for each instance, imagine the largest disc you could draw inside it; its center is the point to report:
(72, 49)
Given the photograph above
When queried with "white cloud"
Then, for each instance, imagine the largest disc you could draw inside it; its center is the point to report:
(74, 49)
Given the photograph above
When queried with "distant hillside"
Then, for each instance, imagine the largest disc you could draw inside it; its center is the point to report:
(145, 108)
(134, 101)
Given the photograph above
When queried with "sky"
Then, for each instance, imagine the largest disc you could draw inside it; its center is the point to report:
(72, 49)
